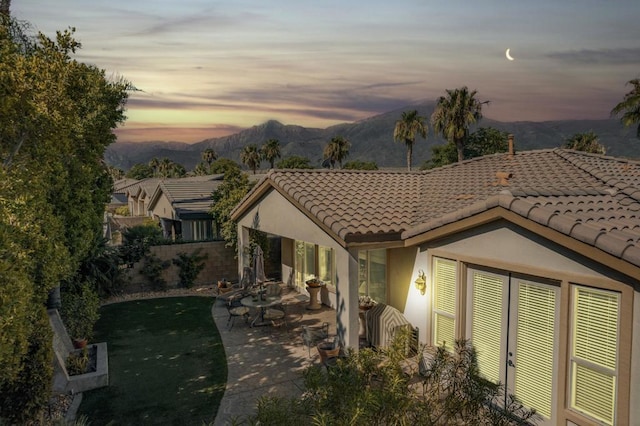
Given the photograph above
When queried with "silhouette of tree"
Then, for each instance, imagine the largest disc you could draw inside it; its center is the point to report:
(587, 142)
(453, 115)
(336, 150)
(209, 155)
(250, 156)
(271, 151)
(406, 129)
(630, 106)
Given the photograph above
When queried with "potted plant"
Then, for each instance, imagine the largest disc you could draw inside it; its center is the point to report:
(328, 349)
(365, 303)
(314, 282)
(79, 312)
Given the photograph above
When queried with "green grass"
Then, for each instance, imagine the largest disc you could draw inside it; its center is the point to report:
(167, 364)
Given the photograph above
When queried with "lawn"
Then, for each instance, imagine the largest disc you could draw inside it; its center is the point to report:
(167, 363)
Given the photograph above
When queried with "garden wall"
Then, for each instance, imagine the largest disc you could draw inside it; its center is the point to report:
(220, 263)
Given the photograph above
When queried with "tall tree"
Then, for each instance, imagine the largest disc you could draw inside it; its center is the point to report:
(164, 167)
(407, 127)
(484, 141)
(587, 142)
(250, 156)
(55, 107)
(453, 115)
(336, 150)
(630, 106)
(271, 151)
(209, 155)
(154, 163)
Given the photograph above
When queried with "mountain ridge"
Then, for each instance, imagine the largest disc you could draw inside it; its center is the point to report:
(371, 140)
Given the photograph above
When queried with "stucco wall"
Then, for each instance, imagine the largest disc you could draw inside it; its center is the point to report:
(276, 215)
(220, 263)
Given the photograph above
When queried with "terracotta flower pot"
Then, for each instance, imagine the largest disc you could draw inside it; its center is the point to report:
(79, 343)
(327, 350)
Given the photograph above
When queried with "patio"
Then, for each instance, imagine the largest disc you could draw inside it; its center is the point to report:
(266, 360)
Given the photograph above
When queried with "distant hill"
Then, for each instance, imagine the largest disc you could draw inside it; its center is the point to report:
(371, 140)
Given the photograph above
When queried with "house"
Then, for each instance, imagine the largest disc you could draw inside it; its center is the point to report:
(182, 207)
(532, 256)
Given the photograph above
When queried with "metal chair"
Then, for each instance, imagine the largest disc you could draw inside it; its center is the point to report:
(277, 313)
(235, 310)
(314, 334)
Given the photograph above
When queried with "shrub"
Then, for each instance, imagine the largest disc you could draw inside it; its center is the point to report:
(190, 266)
(152, 271)
(137, 240)
(80, 310)
(78, 362)
(23, 400)
(122, 211)
(386, 387)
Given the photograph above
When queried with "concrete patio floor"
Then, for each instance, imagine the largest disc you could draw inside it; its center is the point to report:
(266, 360)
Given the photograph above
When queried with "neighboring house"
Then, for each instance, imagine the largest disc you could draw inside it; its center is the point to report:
(533, 256)
(182, 207)
(119, 194)
(139, 194)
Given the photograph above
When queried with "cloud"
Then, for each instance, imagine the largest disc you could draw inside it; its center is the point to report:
(599, 56)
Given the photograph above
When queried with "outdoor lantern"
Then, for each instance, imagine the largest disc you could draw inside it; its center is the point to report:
(421, 281)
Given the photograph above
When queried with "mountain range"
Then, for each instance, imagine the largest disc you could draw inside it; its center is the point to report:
(371, 140)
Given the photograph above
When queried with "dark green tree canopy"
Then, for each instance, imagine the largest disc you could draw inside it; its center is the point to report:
(295, 162)
(360, 165)
(587, 142)
(140, 171)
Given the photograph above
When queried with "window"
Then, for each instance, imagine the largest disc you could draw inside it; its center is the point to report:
(305, 262)
(594, 352)
(325, 265)
(201, 230)
(373, 274)
(444, 302)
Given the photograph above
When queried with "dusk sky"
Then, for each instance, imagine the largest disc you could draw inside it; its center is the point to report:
(210, 68)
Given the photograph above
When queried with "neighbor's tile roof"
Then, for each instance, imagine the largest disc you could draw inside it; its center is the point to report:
(188, 195)
(591, 198)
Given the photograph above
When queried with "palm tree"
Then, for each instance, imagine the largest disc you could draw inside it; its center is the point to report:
(209, 155)
(165, 167)
(201, 169)
(155, 165)
(630, 106)
(271, 151)
(453, 115)
(587, 142)
(337, 149)
(406, 129)
(250, 156)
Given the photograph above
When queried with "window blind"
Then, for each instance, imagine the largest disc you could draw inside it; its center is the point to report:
(535, 345)
(444, 302)
(486, 325)
(594, 352)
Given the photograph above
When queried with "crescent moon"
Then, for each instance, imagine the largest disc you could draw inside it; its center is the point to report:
(509, 57)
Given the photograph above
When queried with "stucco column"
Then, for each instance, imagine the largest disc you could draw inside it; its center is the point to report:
(347, 325)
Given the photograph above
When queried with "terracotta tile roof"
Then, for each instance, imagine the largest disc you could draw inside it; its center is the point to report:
(593, 199)
(353, 203)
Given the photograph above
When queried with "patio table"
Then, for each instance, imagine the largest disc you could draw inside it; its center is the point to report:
(262, 304)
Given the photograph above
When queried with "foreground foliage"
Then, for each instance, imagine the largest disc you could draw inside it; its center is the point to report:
(385, 388)
(56, 120)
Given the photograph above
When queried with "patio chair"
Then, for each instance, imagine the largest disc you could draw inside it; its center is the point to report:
(314, 334)
(241, 288)
(277, 313)
(273, 289)
(235, 310)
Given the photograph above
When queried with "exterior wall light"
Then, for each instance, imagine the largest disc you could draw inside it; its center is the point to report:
(421, 282)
